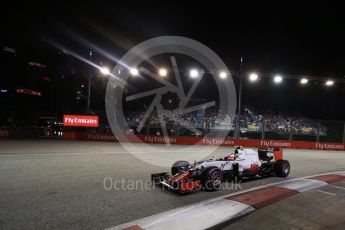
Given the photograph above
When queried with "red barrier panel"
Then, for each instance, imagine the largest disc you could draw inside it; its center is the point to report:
(80, 120)
(204, 141)
(6, 132)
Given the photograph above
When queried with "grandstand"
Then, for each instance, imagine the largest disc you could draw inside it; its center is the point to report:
(251, 121)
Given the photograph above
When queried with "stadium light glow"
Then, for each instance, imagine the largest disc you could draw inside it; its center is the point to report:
(278, 79)
(223, 75)
(105, 70)
(193, 73)
(253, 77)
(304, 81)
(134, 72)
(329, 83)
(163, 72)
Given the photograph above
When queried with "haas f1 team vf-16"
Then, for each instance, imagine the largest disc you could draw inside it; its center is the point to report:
(209, 174)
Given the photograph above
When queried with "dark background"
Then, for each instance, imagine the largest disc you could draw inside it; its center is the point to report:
(294, 41)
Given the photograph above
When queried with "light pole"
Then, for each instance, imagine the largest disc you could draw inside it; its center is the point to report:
(239, 100)
(88, 94)
(89, 87)
(104, 71)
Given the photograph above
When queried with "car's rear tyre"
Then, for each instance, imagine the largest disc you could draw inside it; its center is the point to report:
(282, 168)
(178, 166)
(211, 178)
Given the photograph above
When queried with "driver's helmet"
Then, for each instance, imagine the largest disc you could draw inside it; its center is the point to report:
(238, 147)
(231, 157)
(234, 155)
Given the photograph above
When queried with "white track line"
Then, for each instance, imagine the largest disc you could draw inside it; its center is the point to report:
(338, 187)
(327, 193)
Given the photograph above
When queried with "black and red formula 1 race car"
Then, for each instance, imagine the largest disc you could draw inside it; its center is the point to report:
(209, 174)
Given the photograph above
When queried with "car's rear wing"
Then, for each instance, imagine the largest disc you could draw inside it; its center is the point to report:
(277, 152)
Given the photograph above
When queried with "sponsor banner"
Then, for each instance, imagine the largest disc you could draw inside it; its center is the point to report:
(158, 139)
(80, 121)
(218, 141)
(101, 137)
(329, 146)
(207, 141)
(28, 91)
(5, 132)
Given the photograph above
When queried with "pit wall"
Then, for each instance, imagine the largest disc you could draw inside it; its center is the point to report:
(204, 141)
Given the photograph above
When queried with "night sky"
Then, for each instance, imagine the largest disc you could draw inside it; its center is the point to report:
(308, 42)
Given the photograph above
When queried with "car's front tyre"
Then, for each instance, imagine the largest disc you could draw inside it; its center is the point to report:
(178, 166)
(211, 178)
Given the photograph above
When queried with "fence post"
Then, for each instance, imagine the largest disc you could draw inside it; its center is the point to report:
(290, 135)
(344, 134)
(318, 131)
(263, 129)
(235, 128)
(290, 131)
(318, 135)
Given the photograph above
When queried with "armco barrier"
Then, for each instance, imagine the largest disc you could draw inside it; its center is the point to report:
(206, 141)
